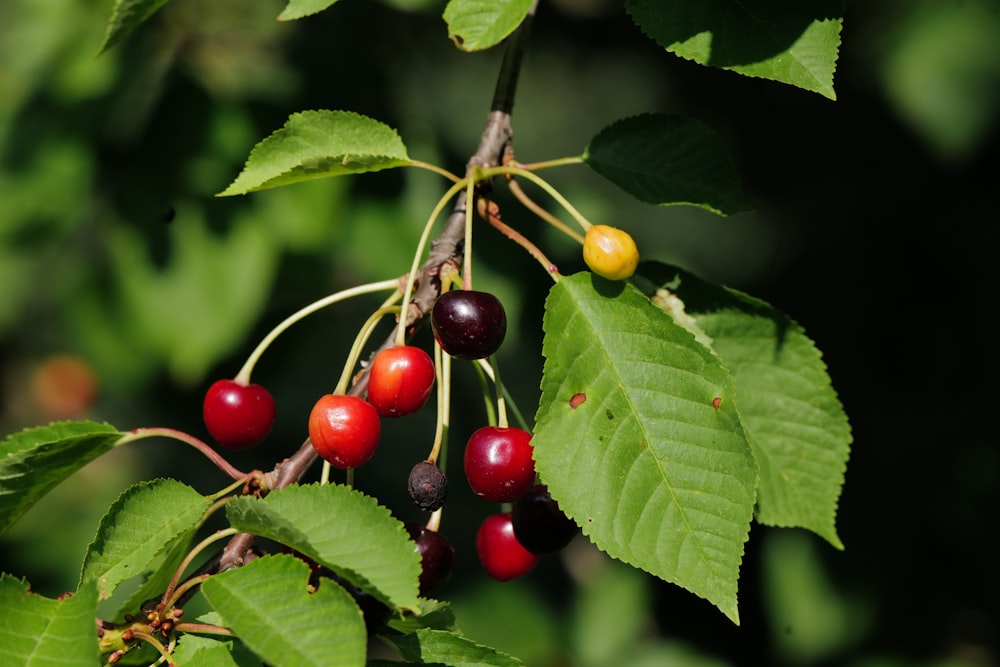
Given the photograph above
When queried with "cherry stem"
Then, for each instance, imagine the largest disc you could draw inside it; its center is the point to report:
(324, 475)
(436, 169)
(414, 267)
(204, 629)
(150, 639)
(434, 520)
(226, 491)
(196, 580)
(519, 171)
(535, 207)
(359, 342)
(486, 367)
(501, 401)
(173, 592)
(548, 164)
(442, 372)
(243, 377)
(488, 402)
(487, 211)
(467, 250)
(163, 432)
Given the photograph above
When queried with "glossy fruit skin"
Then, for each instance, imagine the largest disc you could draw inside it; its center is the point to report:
(498, 463)
(610, 252)
(344, 430)
(437, 556)
(399, 380)
(469, 324)
(539, 524)
(501, 555)
(237, 415)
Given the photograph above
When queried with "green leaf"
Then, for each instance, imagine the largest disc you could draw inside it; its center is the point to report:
(791, 41)
(213, 651)
(41, 632)
(668, 159)
(318, 144)
(156, 577)
(343, 529)
(434, 614)
(267, 602)
(447, 648)
(297, 9)
(138, 527)
(479, 24)
(796, 424)
(610, 615)
(126, 17)
(35, 460)
(630, 442)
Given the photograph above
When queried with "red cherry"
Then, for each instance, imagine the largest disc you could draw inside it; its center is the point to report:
(437, 556)
(238, 415)
(344, 430)
(498, 463)
(502, 556)
(468, 324)
(399, 380)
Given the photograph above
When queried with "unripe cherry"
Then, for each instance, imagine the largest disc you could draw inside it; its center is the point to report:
(610, 252)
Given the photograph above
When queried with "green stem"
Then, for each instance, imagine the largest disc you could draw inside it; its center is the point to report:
(359, 343)
(467, 250)
(204, 629)
(436, 169)
(544, 185)
(172, 594)
(173, 434)
(487, 368)
(243, 377)
(548, 164)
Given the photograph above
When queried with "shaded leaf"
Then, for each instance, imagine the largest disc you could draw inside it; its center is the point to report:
(447, 648)
(324, 522)
(126, 16)
(297, 9)
(654, 473)
(796, 424)
(479, 24)
(318, 144)
(141, 524)
(791, 41)
(38, 631)
(267, 602)
(35, 460)
(668, 159)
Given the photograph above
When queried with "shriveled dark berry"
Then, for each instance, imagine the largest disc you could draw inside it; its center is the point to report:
(539, 524)
(428, 486)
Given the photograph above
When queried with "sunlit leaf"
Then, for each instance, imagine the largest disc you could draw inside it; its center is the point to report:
(324, 522)
(633, 443)
(269, 605)
(297, 9)
(35, 630)
(795, 422)
(447, 648)
(35, 460)
(140, 525)
(791, 41)
(126, 16)
(668, 159)
(479, 24)
(319, 144)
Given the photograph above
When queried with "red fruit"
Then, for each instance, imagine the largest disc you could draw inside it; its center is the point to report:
(344, 430)
(498, 463)
(238, 415)
(437, 556)
(539, 524)
(399, 380)
(502, 556)
(468, 324)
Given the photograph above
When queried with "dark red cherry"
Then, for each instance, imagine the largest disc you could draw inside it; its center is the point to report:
(399, 380)
(437, 556)
(238, 415)
(501, 555)
(469, 324)
(498, 463)
(539, 523)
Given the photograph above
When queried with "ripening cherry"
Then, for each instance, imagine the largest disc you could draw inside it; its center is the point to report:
(399, 380)
(498, 463)
(610, 252)
(502, 556)
(344, 430)
(469, 324)
(238, 415)
(539, 524)
(437, 556)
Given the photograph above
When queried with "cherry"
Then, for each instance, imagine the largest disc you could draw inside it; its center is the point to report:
(344, 430)
(610, 252)
(498, 463)
(399, 380)
(427, 485)
(538, 522)
(437, 556)
(468, 324)
(238, 415)
(502, 556)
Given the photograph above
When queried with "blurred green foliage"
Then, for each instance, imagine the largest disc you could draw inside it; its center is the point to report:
(876, 229)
